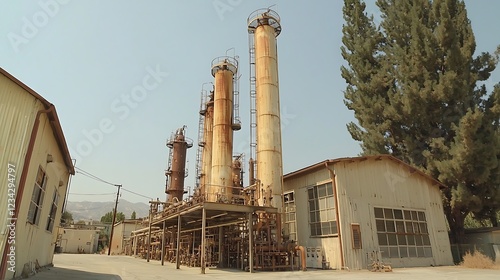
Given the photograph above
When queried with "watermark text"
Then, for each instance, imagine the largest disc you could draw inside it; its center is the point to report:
(11, 219)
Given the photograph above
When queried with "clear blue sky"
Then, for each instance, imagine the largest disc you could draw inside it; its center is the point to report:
(86, 57)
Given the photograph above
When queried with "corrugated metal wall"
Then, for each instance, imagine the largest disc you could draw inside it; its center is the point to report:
(328, 247)
(36, 243)
(17, 113)
(361, 186)
(364, 185)
(18, 109)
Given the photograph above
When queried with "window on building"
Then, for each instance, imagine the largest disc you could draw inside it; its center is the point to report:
(37, 197)
(53, 212)
(322, 220)
(356, 236)
(402, 233)
(290, 217)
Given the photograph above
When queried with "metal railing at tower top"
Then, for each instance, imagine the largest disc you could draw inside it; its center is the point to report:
(231, 63)
(264, 17)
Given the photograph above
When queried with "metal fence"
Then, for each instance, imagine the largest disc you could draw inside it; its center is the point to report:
(459, 250)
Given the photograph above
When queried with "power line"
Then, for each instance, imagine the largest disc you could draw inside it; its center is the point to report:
(87, 174)
(92, 193)
(137, 194)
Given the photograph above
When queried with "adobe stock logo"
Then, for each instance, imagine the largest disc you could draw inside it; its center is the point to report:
(121, 107)
(286, 119)
(223, 6)
(31, 26)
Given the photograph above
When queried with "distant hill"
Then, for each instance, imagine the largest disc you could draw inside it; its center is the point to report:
(88, 210)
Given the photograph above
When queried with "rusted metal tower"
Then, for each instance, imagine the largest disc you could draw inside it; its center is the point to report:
(176, 170)
(263, 28)
(224, 70)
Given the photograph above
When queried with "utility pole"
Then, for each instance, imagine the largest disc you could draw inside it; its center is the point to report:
(114, 219)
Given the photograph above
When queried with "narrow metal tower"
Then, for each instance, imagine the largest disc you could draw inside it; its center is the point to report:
(263, 28)
(176, 170)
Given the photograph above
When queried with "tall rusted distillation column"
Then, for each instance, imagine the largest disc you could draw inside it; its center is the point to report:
(176, 171)
(220, 188)
(265, 26)
(206, 159)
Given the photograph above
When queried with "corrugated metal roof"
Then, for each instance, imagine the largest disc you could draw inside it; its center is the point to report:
(322, 164)
(54, 120)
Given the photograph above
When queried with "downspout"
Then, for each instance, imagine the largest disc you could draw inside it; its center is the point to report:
(334, 183)
(22, 181)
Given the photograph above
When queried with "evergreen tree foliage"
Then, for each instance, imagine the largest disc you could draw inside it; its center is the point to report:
(133, 216)
(67, 217)
(108, 217)
(417, 91)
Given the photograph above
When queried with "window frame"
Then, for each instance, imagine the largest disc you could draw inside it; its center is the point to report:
(402, 233)
(53, 212)
(290, 214)
(37, 197)
(321, 209)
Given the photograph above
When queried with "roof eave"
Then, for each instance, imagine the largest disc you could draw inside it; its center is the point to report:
(54, 120)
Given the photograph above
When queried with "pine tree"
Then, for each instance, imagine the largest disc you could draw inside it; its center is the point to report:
(367, 84)
(133, 216)
(108, 217)
(414, 87)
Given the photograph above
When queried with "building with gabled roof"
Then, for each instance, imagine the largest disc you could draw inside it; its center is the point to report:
(36, 163)
(355, 211)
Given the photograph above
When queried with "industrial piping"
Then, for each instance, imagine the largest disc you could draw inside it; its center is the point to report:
(302, 251)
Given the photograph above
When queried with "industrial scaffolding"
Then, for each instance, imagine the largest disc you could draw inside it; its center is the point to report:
(197, 233)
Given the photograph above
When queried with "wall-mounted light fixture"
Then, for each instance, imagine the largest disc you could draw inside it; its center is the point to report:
(50, 158)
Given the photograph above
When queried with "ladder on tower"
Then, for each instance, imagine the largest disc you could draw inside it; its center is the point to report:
(201, 143)
(168, 171)
(236, 98)
(253, 108)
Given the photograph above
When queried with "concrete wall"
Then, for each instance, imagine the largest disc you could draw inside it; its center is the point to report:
(122, 231)
(79, 241)
(482, 236)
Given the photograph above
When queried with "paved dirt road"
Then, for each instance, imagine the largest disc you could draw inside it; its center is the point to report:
(103, 267)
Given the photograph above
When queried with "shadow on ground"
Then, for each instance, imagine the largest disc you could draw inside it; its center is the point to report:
(57, 273)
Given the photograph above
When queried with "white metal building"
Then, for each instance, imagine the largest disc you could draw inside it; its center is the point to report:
(79, 241)
(36, 165)
(352, 211)
(123, 231)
